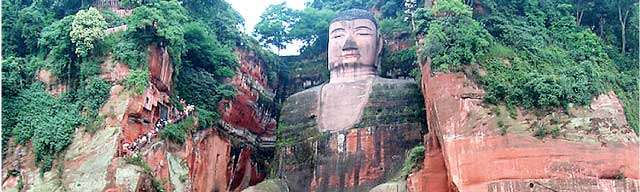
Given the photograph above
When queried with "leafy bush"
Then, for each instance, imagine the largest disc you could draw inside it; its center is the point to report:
(206, 119)
(454, 41)
(555, 132)
(535, 57)
(174, 133)
(202, 88)
(540, 131)
(129, 52)
(177, 132)
(90, 67)
(92, 95)
(219, 17)
(15, 75)
(112, 19)
(451, 8)
(139, 161)
(47, 121)
(398, 64)
(502, 128)
(30, 22)
(137, 81)
(160, 22)
(207, 53)
(392, 27)
(10, 107)
(414, 160)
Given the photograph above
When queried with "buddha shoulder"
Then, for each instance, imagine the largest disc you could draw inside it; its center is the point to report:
(300, 105)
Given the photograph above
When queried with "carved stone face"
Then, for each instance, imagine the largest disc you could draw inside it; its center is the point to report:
(354, 46)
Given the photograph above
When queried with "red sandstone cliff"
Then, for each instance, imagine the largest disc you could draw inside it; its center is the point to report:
(232, 157)
(465, 150)
(223, 158)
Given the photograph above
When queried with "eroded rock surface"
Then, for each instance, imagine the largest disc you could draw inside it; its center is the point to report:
(468, 150)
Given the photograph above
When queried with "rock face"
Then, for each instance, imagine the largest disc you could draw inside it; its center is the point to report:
(54, 87)
(253, 108)
(355, 159)
(229, 157)
(87, 163)
(143, 111)
(209, 163)
(234, 156)
(471, 147)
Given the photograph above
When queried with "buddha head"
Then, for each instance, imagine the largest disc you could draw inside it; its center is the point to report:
(354, 46)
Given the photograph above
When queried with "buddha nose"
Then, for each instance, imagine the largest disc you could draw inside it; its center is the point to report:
(349, 44)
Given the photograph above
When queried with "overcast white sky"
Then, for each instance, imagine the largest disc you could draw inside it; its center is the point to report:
(252, 9)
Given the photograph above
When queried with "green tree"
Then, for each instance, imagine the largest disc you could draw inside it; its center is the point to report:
(219, 18)
(30, 22)
(56, 43)
(454, 39)
(451, 8)
(311, 27)
(201, 88)
(205, 52)
(94, 92)
(275, 23)
(160, 22)
(88, 26)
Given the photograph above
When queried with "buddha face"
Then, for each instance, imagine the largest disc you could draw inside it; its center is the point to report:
(353, 43)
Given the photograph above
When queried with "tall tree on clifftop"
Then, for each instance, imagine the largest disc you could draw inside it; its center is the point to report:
(274, 26)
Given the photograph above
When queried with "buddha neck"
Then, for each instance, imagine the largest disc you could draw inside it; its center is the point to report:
(351, 73)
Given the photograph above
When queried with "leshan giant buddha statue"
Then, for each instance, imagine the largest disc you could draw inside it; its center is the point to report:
(352, 133)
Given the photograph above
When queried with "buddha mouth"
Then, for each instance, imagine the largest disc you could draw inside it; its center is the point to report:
(349, 56)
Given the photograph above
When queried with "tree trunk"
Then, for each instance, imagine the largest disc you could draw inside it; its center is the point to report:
(623, 26)
(624, 39)
(601, 21)
(579, 15)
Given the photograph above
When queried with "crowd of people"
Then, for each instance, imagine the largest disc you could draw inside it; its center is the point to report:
(129, 148)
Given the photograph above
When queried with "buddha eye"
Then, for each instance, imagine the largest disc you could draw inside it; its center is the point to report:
(337, 36)
(365, 34)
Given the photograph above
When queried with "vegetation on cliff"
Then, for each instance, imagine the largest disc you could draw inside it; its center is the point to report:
(50, 40)
(532, 54)
(67, 41)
